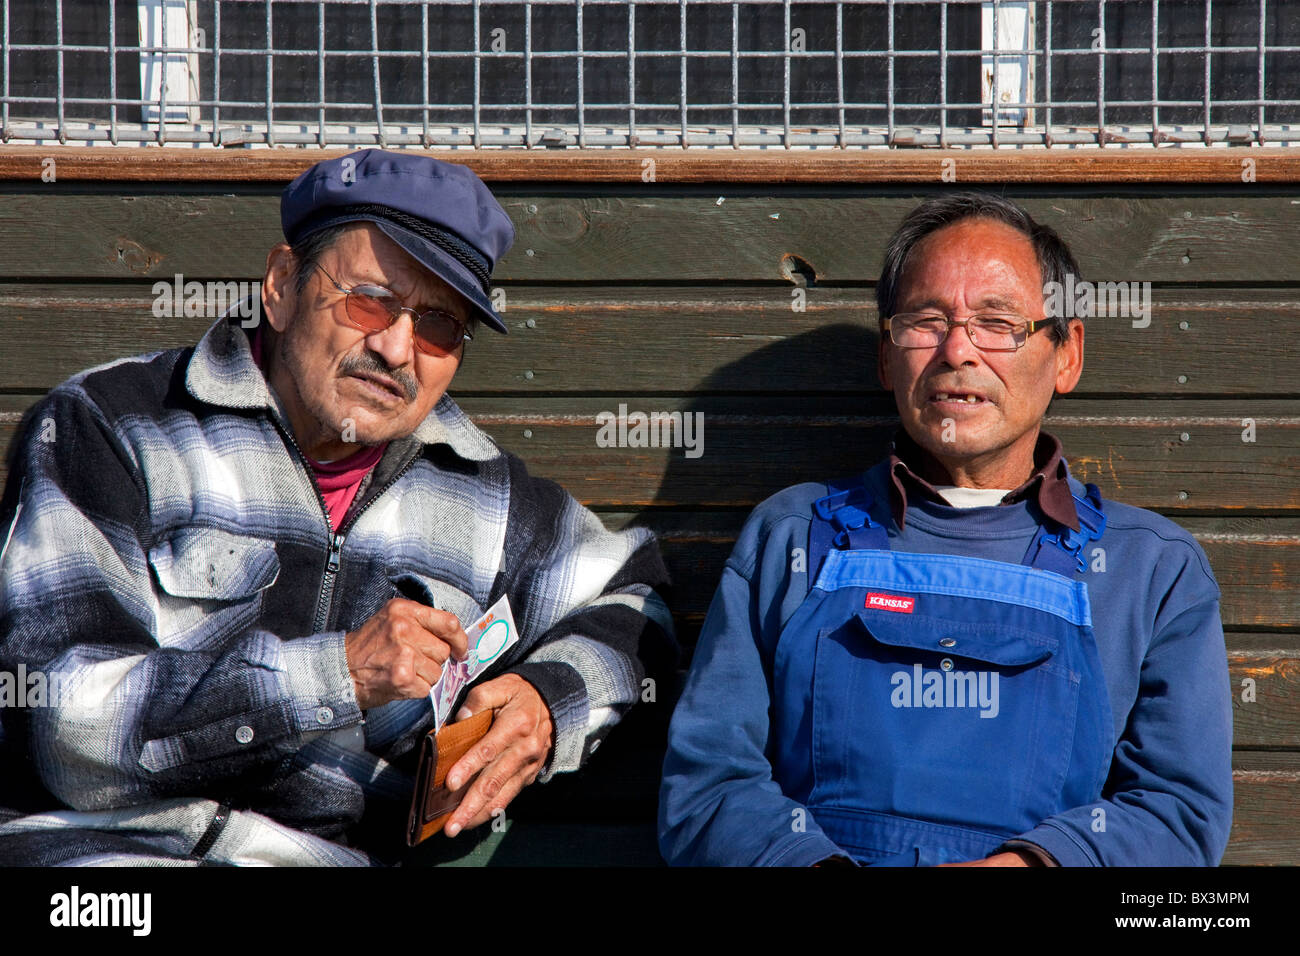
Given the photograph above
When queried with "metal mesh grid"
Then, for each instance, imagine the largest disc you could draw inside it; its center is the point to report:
(618, 73)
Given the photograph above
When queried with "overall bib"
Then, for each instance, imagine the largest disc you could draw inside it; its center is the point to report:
(928, 707)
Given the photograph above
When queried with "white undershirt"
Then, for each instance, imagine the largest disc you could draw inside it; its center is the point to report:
(972, 497)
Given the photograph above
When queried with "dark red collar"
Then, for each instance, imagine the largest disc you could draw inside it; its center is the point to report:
(1048, 484)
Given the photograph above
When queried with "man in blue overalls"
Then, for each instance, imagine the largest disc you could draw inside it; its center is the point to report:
(963, 655)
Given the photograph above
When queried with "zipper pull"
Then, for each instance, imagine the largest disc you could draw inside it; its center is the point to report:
(336, 546)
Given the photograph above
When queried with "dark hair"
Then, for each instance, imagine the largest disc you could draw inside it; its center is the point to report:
(1055, 260)
(311, 247)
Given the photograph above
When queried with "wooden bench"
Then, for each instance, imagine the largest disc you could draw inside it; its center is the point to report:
(678, 295)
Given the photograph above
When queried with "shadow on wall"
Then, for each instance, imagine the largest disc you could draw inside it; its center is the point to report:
(805, 408)
(814, 411)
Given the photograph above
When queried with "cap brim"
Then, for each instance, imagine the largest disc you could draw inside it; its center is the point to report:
(440, 263)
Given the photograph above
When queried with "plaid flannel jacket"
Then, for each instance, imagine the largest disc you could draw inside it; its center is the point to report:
(172, 573)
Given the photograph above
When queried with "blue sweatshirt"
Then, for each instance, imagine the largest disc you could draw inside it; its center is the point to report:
(1155, 613)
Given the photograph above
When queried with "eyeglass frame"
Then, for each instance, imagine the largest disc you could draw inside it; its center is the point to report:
(463, 327)
(1028, 326)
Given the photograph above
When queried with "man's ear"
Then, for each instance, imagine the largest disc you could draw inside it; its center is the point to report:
(278, 286)
(1069, 358)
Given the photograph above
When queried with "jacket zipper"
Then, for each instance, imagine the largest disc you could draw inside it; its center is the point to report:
(336, 546)
(326, 592)
(325, 596)
(325, 599)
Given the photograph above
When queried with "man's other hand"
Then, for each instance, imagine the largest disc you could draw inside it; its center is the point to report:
(399, 652)
(510, 755)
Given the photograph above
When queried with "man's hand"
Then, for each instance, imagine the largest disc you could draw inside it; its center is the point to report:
(510, 755)
(1010, 858)
(399, 652)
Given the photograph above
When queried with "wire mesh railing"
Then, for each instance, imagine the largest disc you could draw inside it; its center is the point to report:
(666, 73)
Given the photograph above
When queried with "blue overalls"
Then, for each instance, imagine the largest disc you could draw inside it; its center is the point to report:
(928, 707)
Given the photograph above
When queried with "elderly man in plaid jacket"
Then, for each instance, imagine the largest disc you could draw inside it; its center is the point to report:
(237, 569)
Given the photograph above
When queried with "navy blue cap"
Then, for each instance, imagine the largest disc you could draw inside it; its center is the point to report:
(441, 213)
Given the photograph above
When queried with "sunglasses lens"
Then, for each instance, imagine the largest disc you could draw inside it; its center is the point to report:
(439, 334)
(368, 312)
(436, 333)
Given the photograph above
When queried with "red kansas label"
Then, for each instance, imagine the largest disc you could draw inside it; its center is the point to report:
(891, 602)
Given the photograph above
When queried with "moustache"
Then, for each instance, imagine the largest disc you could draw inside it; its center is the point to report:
(370, 364)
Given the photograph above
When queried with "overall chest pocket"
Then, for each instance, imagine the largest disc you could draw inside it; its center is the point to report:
(210, 584)
(946, 719)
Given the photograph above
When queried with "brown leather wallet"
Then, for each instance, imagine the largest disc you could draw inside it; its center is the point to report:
(432, 803)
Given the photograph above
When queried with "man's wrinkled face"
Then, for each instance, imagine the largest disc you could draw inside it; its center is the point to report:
(342, 382)
(962, 404)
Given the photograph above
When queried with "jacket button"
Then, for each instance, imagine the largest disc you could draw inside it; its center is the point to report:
(244, 734)
(324, 715)
(947, 642)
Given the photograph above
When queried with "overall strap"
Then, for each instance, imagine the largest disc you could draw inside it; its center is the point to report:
(842, 520)
(1060, 549)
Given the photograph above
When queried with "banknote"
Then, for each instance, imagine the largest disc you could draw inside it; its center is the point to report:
(489, 637)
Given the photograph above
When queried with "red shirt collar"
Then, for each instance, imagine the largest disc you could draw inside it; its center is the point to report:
(1048, 485)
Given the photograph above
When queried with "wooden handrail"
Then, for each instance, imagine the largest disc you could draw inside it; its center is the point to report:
(938, 166)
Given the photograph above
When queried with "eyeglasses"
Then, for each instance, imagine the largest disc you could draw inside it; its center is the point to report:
(988, 331)
(372, 308)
